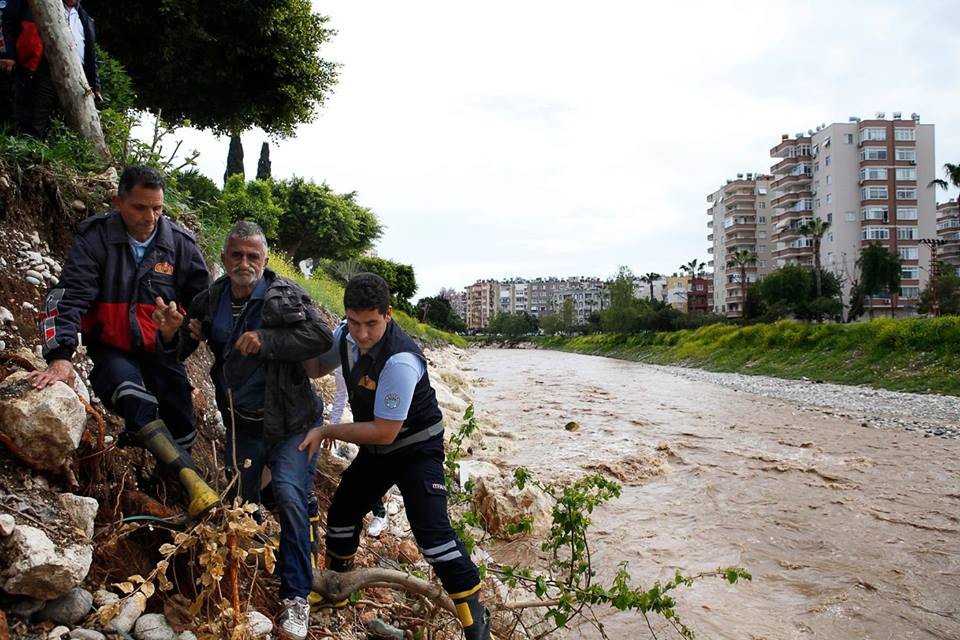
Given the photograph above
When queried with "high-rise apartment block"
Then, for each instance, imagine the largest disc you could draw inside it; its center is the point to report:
(538, 297)
(948, 231)
(866, 177)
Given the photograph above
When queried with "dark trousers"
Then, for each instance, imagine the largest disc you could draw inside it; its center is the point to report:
(34, 101)
(142, 388)
(417, 471)
(291, 486)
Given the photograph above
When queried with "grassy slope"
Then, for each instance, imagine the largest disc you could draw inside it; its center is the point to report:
(918, 355)
(329, 294)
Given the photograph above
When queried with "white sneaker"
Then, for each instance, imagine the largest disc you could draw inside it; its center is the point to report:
(294, 620)
(376, 526)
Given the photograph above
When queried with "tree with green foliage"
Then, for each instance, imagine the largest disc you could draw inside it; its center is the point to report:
(264, 166)
(437, 312)
(694, 268)
(551, 324)
(567, 316)
(880, 271)
(650, 278)
(513, 325)
(201, 190)
(952, 171)
(223, 66)
(624, 311)
(234, 159)
(251, 201)
(791, 291)
(948, 293)
(400, 278)
(816, 229)
(318, 223)
(741, 260)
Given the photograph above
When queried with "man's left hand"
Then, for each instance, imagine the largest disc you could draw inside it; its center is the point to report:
(248, 344)
(312, 441)
(168, 319)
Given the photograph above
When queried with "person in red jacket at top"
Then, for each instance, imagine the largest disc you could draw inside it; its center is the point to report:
(21, 53)
(123, 269)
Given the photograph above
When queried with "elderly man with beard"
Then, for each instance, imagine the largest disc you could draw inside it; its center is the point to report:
(261, 327)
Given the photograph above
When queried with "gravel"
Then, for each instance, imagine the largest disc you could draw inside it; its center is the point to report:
(929, 415)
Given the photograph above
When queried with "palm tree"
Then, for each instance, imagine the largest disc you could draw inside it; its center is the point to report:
(816, 229)
(880, 271)
(742, 259)
(694, 268)
(650, 278)
(952, 171)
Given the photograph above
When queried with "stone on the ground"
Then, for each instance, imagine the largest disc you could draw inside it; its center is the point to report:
(258, 625)
(501, 504)
(70, 608)
(102, 598)
(408, 552)
(87, 634)
(187, 635)
(130, 611)
(44, 424)
(25, 608)
(153, 626)
(33, 566)
(58, 632)
(475, 469)
(6, 316)
(7, 525)
(377, 628)
(81, 510)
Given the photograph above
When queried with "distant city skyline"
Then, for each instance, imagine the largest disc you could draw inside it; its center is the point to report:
(531, 139)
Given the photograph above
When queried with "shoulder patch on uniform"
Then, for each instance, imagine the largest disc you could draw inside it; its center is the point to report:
(392, 400)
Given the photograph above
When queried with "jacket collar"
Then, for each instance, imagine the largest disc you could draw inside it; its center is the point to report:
(117, 231)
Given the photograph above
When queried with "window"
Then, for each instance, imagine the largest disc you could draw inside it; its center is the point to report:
(848, 138)
(908, 253)
(763, 248)
(906, 193)
(874, 213)
(761, 191)
(830, 217)
(850, 216)
(873, 153)
(907, 233)
(906, 173)
(910, 273)
(761, 205)
(815, 150)
(910, 292)
(873, 173)
(762, 235)
(873, 133)
(762, 219)
(906, 153)
(906, 213)
(830, 179)
(904, 133)
(816, 203)
(762, 264)
(829, 198)
(874, 193)
(826, 161)
(829, 257)
(875, 233)
(816, 167)
(830, 236)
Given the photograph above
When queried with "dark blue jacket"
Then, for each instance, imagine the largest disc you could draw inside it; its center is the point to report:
(103, 292)
(362, 381)
(18, 21)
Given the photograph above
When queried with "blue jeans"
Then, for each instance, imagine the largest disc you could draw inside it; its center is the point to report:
(292, 484)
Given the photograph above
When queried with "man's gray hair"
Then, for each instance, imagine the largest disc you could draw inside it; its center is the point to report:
(243, 230)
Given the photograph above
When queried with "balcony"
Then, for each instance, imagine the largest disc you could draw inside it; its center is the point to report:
(793, 180)
(790, 197)
(787, 146)
(741, 197)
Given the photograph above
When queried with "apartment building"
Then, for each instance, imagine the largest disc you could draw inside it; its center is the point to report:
(740, 220)
(588, 295)
(482, 302)
(866, 177)
(948, 232)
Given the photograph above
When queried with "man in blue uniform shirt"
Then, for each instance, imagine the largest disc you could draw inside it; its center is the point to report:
(399, 428)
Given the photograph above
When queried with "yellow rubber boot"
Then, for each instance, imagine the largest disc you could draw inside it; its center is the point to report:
(156, 438)
(474, 617)
(202, 497)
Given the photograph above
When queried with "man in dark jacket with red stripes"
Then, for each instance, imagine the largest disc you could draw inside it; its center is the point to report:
(21, 52)
(122, 268)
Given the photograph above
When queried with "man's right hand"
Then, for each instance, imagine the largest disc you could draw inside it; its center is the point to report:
(57, 371)
(7, 65)
(195, 327)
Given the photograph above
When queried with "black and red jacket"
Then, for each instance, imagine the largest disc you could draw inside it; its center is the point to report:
(103, 293)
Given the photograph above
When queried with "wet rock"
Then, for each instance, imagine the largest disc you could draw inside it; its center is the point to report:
(377, 628)
(46, 424)
(572, 426)
(501, 504)
(34, 281)
(69, 608)
(153, 626)
(25, 608)
(130, 611)
(258, 625)
(81, 510)
(35, 567)
(36, 275)
(7, 525)
(87, 634)
(58, 632)
(78, 206)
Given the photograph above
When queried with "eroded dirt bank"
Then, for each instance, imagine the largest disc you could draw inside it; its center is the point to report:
(849, 532)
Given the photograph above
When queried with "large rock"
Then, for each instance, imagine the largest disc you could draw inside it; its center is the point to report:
(34, 566)
(501, 504)
(153, 626)
(70, 608)
(130, 611)
(258, 625)
(44, 424)
(81, 510)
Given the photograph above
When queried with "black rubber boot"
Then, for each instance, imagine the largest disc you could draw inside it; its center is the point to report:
(474, 617)
(156, 438)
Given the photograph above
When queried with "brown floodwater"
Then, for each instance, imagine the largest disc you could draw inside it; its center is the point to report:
(849, 532)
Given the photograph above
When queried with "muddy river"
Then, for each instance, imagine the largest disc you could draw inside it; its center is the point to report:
(849, 532)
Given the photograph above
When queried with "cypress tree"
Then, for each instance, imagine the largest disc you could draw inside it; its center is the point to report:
(263, 165)
(234, 158)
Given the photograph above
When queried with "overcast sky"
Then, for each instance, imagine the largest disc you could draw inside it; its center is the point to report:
(523, 138)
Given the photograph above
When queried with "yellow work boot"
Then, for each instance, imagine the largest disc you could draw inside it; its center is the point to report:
(157, 439)
(202, 497)
(474, 617)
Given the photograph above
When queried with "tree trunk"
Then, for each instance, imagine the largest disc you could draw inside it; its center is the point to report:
(76, 97)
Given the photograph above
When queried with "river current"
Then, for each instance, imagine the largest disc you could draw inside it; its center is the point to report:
(848, 532)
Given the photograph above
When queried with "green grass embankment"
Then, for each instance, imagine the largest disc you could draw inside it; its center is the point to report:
(329, 294)
(918, 355)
